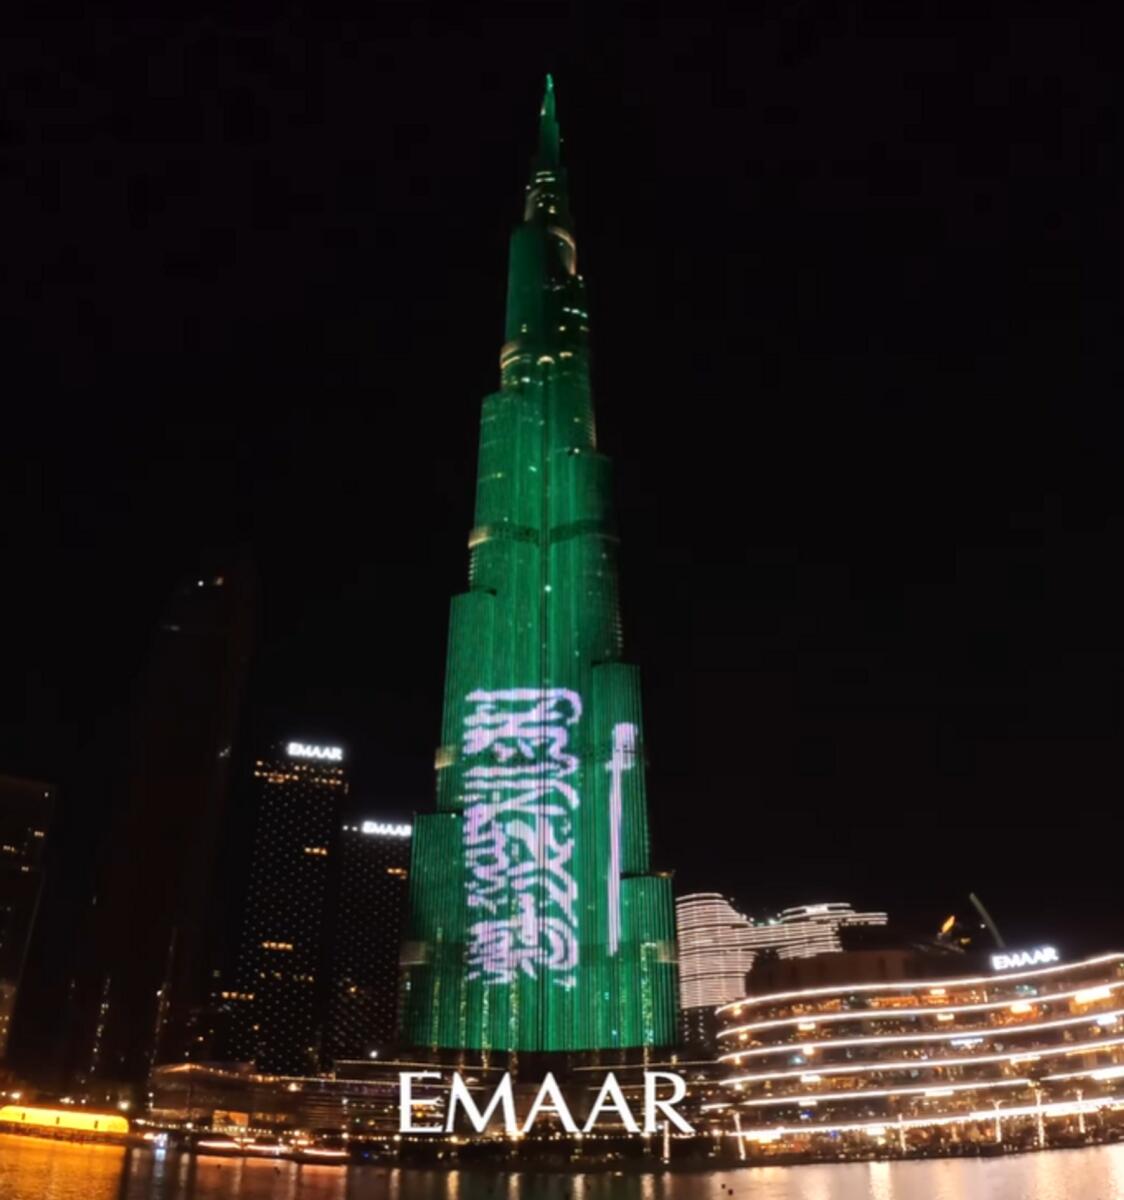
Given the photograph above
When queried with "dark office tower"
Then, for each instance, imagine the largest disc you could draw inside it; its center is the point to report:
(154, 919)
(536, 922)
(372, 861)
(25, 813)
(300, 789)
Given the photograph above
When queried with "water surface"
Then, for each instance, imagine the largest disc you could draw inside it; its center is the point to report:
(33, 1169)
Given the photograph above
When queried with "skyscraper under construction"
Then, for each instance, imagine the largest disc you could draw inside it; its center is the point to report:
(536, 923)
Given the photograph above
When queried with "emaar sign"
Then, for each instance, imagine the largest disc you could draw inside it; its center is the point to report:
(323, 753)
(386, 829)
(1024, 958)
(548, 1100)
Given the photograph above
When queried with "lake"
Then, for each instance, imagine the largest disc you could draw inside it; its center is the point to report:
(33, 1169)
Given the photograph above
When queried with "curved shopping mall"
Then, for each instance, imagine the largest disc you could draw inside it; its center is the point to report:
(918, 1058)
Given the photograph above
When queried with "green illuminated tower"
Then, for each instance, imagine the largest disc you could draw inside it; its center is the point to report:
(535, 923)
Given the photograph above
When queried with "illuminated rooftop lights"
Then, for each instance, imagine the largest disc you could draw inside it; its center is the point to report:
(913, 985)
(865, 1093)
(894, 1013)
(1061, 1109)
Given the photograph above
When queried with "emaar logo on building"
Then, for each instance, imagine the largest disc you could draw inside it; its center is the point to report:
(324, 753)
(549, 1101)
(1024, 958)
(386, 829)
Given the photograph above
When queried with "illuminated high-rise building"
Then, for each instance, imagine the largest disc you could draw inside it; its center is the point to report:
(810, 929)
(25, 812)
(715, 954)
(371, 868)
(536, 922)
(277, 998)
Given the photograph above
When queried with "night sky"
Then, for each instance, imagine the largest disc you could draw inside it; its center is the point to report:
(855, 289)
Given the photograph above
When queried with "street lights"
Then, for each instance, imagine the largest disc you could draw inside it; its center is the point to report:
(998, 1122)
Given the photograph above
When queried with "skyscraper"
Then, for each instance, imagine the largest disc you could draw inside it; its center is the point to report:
(536, 923)
(25, 812)
(715, 953)
(372, 859)
(278, 1002)
(155, 918)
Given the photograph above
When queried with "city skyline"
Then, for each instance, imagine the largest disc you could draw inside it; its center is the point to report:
(898, 651)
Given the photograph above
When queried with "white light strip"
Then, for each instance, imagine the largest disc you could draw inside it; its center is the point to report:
(841, 989)
(927, 1064)
(820, 1097)
(1026, 1110)
(1006, 1030)
(623, 759)
(1097, 1073)
(887, 1014)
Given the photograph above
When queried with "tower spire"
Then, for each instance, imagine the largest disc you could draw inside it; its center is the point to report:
(550, 137)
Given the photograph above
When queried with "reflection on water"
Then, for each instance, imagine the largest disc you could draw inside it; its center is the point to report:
(34, 1169)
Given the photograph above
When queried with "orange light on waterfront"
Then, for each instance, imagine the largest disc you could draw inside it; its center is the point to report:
(75, 1119)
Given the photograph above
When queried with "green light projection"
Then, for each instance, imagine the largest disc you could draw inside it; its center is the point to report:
(535, 925)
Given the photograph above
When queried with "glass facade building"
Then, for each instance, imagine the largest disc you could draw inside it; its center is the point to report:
(536, 922)
(277, 1004)
(372, 859)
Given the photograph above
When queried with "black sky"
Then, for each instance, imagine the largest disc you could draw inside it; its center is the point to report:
(855, 288)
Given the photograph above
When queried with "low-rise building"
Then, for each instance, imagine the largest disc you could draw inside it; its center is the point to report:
(919, 1050)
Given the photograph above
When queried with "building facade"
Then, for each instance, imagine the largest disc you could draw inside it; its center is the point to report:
(718, 947)
(536, 922)
(810, 929)
(715, 955)
(277, 1000)
(156, 918)
(372, 860)
(897, 1049)
(25, 814)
